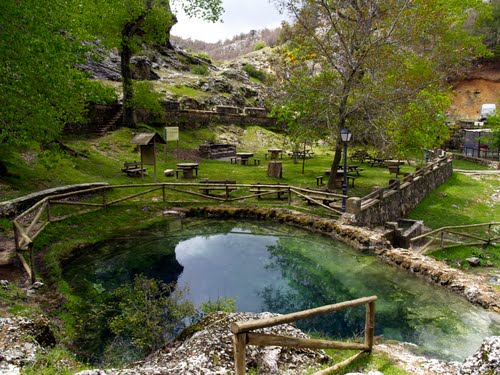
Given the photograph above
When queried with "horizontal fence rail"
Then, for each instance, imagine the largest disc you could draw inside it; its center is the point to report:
(460, 235)
(242, 335)
(30, 223)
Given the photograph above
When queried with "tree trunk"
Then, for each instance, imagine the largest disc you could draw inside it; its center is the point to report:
(3, 169)
(274, 169)
(335, 165)
(126, 55)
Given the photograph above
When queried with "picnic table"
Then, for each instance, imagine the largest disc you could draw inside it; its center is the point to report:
(394, 165)
(244, 156)
(133, 169)
(339, 178)
(187, 169)
(301, 154)
(352, 168)
(275, 153)
(380, 162)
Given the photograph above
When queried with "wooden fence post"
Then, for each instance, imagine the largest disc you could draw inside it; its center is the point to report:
(289, 196)
(32, 263)
(489, 234)
(370, 325)
(48, 211)
(16, 237)
(163, 193)
(239, 345)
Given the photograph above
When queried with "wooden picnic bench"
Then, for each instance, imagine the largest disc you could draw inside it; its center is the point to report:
(361, 155)
(133, 169)
(281, 192)
(218, 185)
(339, 178)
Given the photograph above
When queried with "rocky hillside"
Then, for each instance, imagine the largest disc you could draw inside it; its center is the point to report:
(233, 48)
(192, 81)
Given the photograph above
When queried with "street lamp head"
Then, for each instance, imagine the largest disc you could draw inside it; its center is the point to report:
(345, 135)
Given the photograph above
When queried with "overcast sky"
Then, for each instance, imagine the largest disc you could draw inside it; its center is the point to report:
(240, 16)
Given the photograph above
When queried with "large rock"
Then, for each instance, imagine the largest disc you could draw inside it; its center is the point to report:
(209, 351)
(485, 361)
(142, 68)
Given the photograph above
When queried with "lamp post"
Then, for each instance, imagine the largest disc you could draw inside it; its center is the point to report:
(345, 136)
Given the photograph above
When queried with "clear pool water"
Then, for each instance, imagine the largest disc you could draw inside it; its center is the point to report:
(277, 268)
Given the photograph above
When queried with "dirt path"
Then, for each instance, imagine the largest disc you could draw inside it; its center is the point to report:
(486, 172)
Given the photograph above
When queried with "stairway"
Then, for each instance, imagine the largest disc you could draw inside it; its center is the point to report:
(111, 123)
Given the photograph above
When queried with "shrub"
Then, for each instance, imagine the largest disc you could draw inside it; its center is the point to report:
(146, 98)
(253, 72)
(220, 304)
(259, 46)
(201, 70)
(149, 312)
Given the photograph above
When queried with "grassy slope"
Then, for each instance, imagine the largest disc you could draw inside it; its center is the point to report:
(463, 200)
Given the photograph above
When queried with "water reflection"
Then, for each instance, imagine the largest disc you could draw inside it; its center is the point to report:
(282, 269)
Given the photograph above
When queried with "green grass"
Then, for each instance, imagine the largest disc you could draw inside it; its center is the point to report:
(102, 159)
(461, 200)
(56, 361)
(370, 362)
(181, 90)
(456, 255)
(467, 165)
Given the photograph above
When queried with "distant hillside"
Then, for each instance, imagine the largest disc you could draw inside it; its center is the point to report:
(239, 45)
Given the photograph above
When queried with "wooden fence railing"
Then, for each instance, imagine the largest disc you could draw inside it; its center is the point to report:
(30, 223)
(242, 335)
(460, 235)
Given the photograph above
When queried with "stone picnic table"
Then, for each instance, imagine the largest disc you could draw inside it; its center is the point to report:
(187, 169)
(244, 156)
(275, 153)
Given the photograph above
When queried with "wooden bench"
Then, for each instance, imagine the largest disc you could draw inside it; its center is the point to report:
(319, 180)
(393, 169)
(133, 169)
(256, 161)
(339, 179)
(235, 159)
(360, 155)
(218, 185)
(281, 193)
(327, 201)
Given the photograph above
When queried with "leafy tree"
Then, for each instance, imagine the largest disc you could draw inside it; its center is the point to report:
(493, 122)
(364, 62)
(40, 87)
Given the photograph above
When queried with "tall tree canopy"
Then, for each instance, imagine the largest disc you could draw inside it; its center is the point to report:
(376, 66)
(40, 88)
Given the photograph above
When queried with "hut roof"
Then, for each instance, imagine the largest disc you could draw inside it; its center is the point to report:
(147, 139)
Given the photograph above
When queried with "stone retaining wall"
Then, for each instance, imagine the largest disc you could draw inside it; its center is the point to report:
(395, 203)
(14, 207)
(488, 163)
